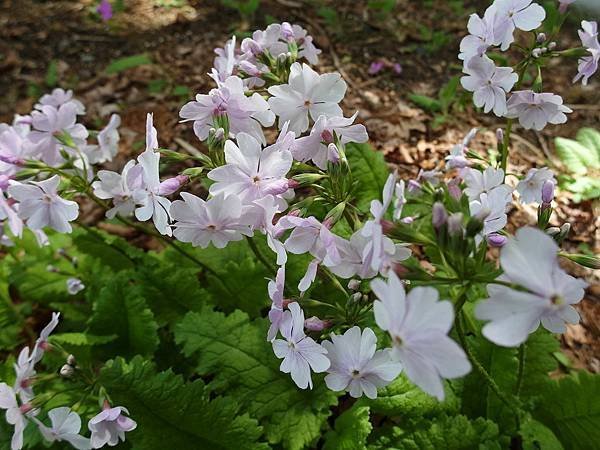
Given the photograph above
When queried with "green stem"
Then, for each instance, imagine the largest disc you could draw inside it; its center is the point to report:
(521, 369)
(262, 258)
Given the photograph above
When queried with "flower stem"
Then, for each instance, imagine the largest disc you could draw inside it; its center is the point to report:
(262, 258)
(521, 369)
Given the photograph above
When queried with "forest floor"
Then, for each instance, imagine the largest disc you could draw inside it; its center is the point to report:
(63, 43)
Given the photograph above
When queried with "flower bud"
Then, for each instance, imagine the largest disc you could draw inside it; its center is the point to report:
(66, 371)
(50, 268)
(455, 224)
(315, 324)
(293, 184)
(564, 232)
(219, 134)
(8, 159)
(547, 192)
(454, 189)
(335, 214)
(287, 32)
(4, 182)
(25, 408)
(333, 155)
(536, 52)
(589, 261)
(496, 240)
(500, 135)
(552, 46)
(438, 215)
(407, 220)
(71, 360)
(172, 185)
(541, 38)
(413, 186)
(552, 231)
(356, 297)
(354, 285)
(387, 226)
(327, 136)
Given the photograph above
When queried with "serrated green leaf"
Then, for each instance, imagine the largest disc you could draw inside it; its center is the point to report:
(172, 414)
(570, 408)
(370, 170)
(574, 155)
(590, 139)
(352, 429)
(111, 251)
(402, 398)
(129, 62)
(537, 436)
(444, 433)
(236, 353)
(120, 309)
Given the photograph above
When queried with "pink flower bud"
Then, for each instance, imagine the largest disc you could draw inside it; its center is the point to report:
(315, 324)
(413, 186)
(25, 408)
(294, 213)
(454, 189)
(547, 192)
(496, 240)
(375, 67)
(9, 159)
(500, 135)
(438, 215)
(287, 32)
(172, 185)
(541, 38)
(386, 226)
(293, 184)
(353, 285)
(333, 155)
(407, 220)
(4, 182)
(286, 302)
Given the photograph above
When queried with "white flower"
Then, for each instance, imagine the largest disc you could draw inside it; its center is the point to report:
(251, 172)
(153, 204)
(537, 110)
(74, 286)
(306, 93)
(260, 214)
(110, 426)
(120, 188)
(399, 199)
(419, 324)
(511, 14)
(530, 187)
(479, 182)
(315, 146)
(24, 373)
(108, 142)
(41, 206)
(51, 120)
(356, 364)
(66, 425)
(14, 415)
(8, 213)
(480, 37)
(245, 114)
(529, 260)
(300, 353)
(457, 157)
(59, 97)
(276, 290)
(41, 344)
(494, 203)
(217, 221)
(588, 65)
(489, 84)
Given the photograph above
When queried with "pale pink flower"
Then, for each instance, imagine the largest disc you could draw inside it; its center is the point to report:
(306, 93)
(480, 37)
(479, 182)
(588, 65)
(15, 415)
(120, 188)
(276, 290)
(109, 426)
(300, 353)
(108, 142)
(535, 111)
(530, 187)
(41, 344)
(516, 14)
(66, 425)
(59, 97)
(494, 205)
(356, 365)
(418, 324)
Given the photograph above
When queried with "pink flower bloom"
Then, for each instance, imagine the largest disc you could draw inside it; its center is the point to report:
(51, 120)
(8, 213)
(306, 93)
(494, 204)
(530, 187)
(74, 286)
(59, 97)
(14, 148)
(110, 426)
(217, 221)
(276, 289)
(511, 14)
(356, 365)
(260, 214)
(245, 114)
(537, 110)
(300, 353)
(588, 65)
(108, 142)
(315, 146)
(251, 172)
(529, 260)
(41, 206)
(120, 188)
(457, 157)
(489, 84)
(418, 324)
(105, 10)
(479, 182)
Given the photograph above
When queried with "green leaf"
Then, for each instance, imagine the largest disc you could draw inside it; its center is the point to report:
(590, 139)
(427, 103)
(448, 93)
(120, 309)
(129, 62)
(235, 352)
(575, 156)
(52, 73)
(81, 339)
(444, 433)
(537, 436)
(352, 429)
(174, 415)
(112, 251)
(584, 188)
(370, 171)
(570, 408)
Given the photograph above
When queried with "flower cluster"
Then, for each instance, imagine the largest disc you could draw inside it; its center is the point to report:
(23, 406)
(491, 85)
